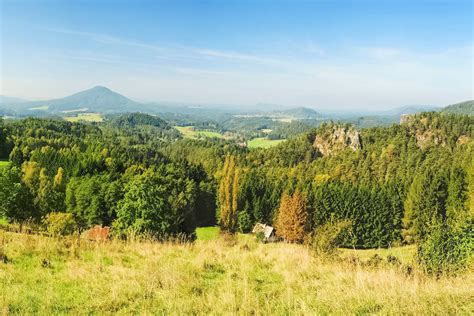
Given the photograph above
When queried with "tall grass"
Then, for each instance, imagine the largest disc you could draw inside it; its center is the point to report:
(43, 275)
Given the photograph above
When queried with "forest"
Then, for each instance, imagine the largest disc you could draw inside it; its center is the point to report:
(409, 183)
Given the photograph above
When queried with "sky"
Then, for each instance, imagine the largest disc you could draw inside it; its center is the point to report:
(327, 54)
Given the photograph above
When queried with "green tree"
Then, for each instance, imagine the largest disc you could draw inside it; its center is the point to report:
(158, 202)
(16, 200)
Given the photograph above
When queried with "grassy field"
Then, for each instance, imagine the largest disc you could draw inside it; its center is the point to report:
(87, 117)
(214, 275)
(207, 233)
(263, 142)
(3, 164)
(190, 132)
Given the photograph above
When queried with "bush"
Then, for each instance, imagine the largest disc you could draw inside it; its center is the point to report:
(60, 224)
(327, 238)
(260, 237)
(447, 250)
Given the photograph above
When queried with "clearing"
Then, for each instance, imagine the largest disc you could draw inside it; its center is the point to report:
(87, 117)
(190, 132)
(263, 142)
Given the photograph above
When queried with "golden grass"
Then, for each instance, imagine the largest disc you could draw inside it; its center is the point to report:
(41, 275)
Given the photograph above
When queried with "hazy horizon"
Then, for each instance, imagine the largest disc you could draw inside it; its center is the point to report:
(344, 55)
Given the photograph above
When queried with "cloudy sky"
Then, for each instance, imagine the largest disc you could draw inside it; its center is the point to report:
(326, 54)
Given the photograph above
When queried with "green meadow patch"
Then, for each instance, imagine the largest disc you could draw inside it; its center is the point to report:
(207, 233)
(190, 132)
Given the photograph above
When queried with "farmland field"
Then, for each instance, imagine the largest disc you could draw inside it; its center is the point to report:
(43, 275)
(87, 117)
(39, 108)
(263, 142)
(190, 132)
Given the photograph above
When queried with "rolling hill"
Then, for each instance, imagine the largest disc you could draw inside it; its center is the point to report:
(5, 99)
(466, 107)
(301, 113)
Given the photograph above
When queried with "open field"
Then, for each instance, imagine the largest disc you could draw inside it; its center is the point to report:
(87, 117)
(42, 275)
(3, 164)
(75, 110)
(190, 132)
(207, 233)
(263, 142)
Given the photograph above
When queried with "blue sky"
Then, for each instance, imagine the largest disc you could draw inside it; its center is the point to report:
(324, 54)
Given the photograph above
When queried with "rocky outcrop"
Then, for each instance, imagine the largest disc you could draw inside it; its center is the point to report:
(337, 139)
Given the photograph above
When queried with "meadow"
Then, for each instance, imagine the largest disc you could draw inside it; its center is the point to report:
(190, 132)
(263, 142)
(86, 117)
(214, 275)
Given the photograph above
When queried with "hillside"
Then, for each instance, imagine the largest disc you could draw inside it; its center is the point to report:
(44, 275)
(409, 109)
(137, 119)
(466, 107)
(98, 99)
(299, 113)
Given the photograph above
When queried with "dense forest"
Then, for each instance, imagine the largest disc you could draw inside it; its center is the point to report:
(406, 183)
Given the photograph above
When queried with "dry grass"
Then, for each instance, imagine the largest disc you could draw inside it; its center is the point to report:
(40, 275)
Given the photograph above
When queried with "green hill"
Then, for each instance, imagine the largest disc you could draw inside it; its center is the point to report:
(466, 107)
(137, 119)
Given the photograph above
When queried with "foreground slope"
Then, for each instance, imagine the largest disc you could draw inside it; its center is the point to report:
(40, 275)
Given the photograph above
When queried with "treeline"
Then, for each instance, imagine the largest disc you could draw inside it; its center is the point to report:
(115, 174)
(409, 183)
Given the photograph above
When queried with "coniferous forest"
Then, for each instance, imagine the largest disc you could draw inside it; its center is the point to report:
(409, 183)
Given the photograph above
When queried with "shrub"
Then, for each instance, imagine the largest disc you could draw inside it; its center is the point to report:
(447, 250)
(260, 237)
(327, 238)
(60, 224)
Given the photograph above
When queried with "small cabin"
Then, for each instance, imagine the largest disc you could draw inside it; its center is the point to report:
(267, 231)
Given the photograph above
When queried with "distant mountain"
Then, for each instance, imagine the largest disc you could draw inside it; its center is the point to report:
(409, 109)
(5, 99)
(98, 99)
(466, 107)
